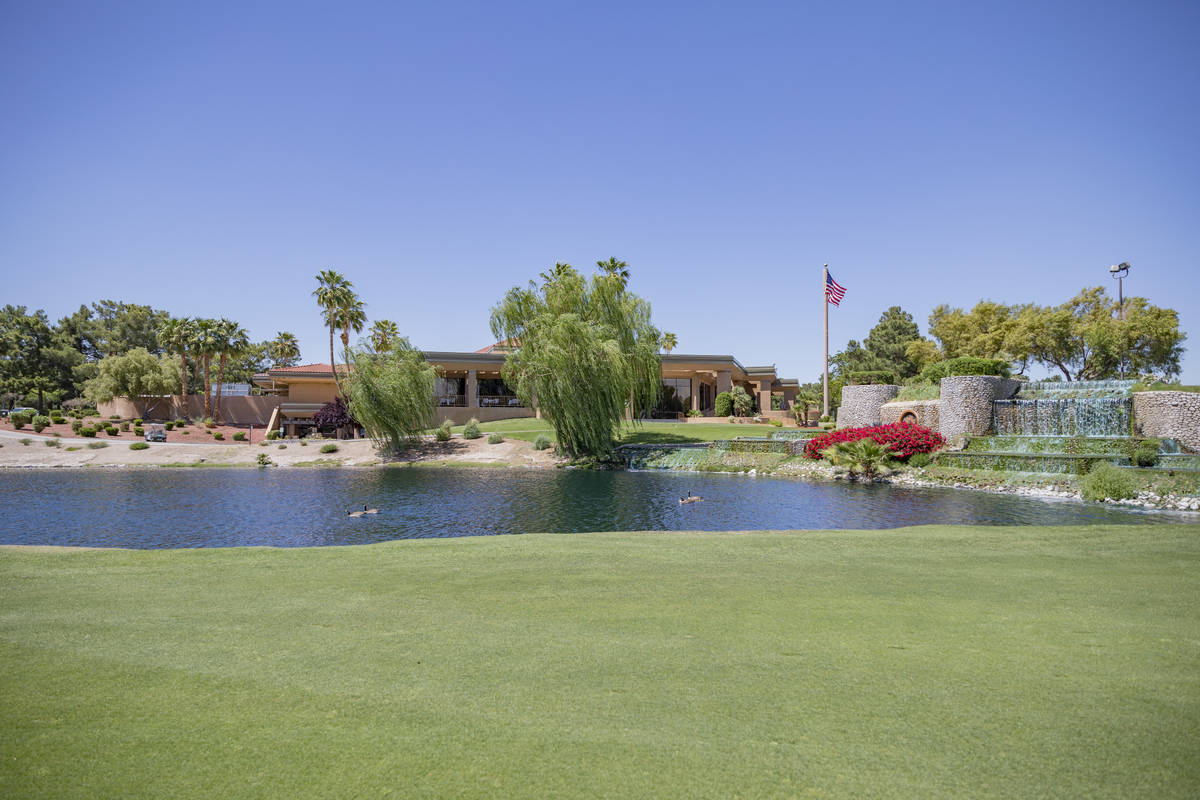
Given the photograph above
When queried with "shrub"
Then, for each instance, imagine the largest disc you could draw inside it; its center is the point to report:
(329, 448)
(76, 426)
(209, 423)
(187, 433)
(281, 446)
(27, 442)
(179, 423)
(695, 412)
(742, 403)
(88, 432)
(902, 439)
(1146, 454)
(542, 442)
(169, 426)
(919, 460)
(272, 435)
(52, 443)
(471, 429)
(18, 421)
(303, 443)
(723, 405)
(240, 436)
(920, 389)
(1108, 481)
(495, 438)
(111, 431)
(40, 423)
(124, 426)
(138, 446)
(778, 423)
(442, 434)
(97, 445)
(138, 421)
(871, 377)
(966, 365)
(334, 415)
(139, 431)
(264, 460)
(861, 455)
(826, 418)
(220, 437)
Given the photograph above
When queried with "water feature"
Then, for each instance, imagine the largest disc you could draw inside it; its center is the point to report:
(145, 508)
(1079, 408)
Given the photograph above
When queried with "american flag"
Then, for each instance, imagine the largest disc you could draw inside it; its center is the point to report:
(833, 290)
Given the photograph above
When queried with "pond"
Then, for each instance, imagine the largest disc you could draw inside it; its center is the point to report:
(166, 508)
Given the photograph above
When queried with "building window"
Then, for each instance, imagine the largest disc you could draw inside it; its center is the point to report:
(676, 398)
(450, 392)
(708, 397)
(495, 393)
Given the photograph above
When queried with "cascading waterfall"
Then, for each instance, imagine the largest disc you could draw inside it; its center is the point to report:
(1082, 408)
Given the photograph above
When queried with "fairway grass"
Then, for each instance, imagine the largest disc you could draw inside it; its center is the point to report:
(918, 662)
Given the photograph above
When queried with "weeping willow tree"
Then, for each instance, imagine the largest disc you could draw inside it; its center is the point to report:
(391, 392)
(585, 349)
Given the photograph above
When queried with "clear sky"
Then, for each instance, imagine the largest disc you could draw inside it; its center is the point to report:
(210, 158)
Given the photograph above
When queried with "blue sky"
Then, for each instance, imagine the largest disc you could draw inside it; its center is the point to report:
(210, 159)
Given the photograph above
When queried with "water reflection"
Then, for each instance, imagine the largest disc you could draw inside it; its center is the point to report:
(286, 508)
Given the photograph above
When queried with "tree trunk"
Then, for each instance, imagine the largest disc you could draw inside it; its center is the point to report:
(333, 366)
(199, 365)
(183, 376)
(207, 388)
(220, 380)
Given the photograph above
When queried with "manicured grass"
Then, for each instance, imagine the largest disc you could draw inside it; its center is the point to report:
(922, 662)
(644, 433)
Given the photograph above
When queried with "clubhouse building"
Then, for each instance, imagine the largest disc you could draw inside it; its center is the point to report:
(470, 385)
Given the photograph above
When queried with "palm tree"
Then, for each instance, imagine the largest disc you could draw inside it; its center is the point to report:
(560, 271)
(616, 269)
(204, 346)
(232, 339)
(175, 335)
(333, 291)
(351, 318)
(382, 333)
(864, 455)
(669, 342)
(285, 350)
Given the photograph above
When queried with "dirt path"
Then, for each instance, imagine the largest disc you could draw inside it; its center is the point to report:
(72, 452)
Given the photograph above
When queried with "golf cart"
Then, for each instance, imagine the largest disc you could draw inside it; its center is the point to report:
(156, 432)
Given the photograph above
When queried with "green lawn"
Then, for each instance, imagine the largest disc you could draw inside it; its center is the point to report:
(643, 433)
(922, 662)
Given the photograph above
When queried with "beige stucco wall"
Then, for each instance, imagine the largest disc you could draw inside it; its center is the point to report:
(234, 410)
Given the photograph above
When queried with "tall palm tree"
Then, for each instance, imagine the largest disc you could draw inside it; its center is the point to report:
(616, 269)
(351, 317)
(382, 333)
(333, 291)
(232, 339)
(204, 346)
(669, 342)
(285, 349)
(175, 335)
(561, 270)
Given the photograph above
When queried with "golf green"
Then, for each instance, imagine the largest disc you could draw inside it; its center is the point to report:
(915, 662)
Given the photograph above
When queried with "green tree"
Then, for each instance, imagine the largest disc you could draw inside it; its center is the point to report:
(334, 295)
(205, 344)
(888, 341)
(112, 327)
(249, 361)
(231, 339)
(382, 333)
(176, 335)
(669, 342)
(616, 269)
(284, 350)
(922, 352)
(587, 348)
(865, 456)
(135, 375)
(1084, 340)
(35, 357)
(741, 401)
(391, 393)
(982, 332)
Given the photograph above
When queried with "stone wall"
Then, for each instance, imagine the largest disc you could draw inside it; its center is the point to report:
(927, 412)
(966, 403)
(1168, 415)
(861, 405)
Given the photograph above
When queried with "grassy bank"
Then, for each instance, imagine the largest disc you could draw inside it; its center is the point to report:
(931, 661)
(641, 433)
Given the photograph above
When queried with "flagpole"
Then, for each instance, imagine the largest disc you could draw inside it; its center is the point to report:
(825, 304)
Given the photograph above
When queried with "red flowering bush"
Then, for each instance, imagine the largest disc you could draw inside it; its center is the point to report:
(902, 438)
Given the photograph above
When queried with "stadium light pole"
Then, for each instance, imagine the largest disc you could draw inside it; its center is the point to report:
(1119, 271)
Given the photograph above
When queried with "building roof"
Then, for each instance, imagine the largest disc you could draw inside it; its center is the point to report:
(499, 347)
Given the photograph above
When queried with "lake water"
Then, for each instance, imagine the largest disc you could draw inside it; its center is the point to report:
(165, 508)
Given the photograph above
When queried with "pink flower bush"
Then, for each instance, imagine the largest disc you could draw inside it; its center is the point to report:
(902, 438)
